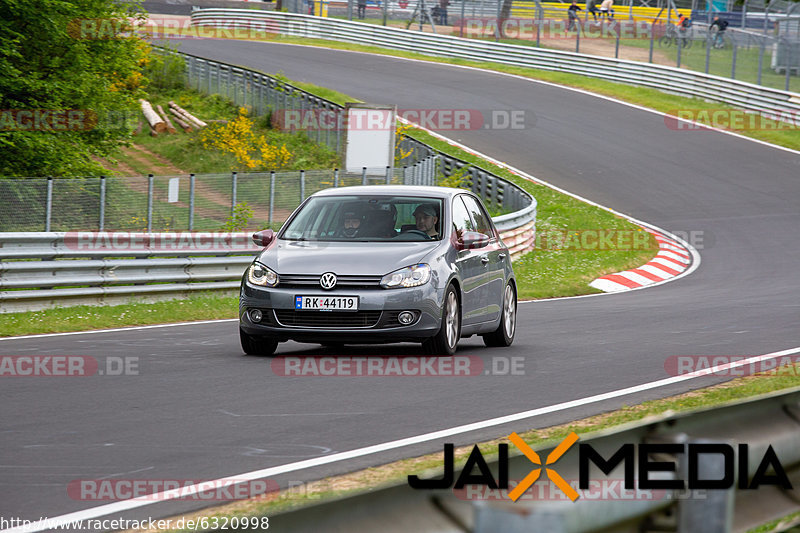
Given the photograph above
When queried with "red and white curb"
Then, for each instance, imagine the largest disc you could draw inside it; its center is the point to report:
(672, 259)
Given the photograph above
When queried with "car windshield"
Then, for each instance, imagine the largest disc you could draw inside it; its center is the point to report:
(367, 219)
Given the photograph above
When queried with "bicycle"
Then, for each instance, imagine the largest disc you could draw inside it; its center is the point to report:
(675, 36)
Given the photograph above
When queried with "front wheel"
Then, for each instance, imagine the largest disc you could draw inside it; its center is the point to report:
(446, 340)
(665, 42)
(257, 345)
(504, 334)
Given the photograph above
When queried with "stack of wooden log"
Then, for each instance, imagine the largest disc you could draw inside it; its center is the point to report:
(160, 122)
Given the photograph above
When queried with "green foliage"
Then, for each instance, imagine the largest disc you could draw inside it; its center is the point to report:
(458, 179)
(59, 56)
(166, 72)
(239, 219)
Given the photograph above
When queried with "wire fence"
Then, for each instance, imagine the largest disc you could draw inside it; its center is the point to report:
(197, 202)
(761, 43)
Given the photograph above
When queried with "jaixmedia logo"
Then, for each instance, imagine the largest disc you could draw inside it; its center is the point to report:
(643, 465)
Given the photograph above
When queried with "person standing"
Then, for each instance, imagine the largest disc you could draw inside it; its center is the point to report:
(362, 8)
(607, 9)
(443, 11)
(572, 15)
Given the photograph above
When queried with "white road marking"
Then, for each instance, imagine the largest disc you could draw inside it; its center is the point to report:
(126, 505)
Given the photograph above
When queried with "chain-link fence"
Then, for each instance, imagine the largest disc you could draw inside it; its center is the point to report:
(202, 202)
(759, 41)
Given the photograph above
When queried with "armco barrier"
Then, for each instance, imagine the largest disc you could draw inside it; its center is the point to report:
(771, 420)
(41, 270)
(674, 80)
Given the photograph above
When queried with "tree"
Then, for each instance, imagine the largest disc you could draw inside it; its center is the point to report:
(69, 72)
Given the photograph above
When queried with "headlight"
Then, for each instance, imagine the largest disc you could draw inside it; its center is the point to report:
(258, 274)
(412, 276)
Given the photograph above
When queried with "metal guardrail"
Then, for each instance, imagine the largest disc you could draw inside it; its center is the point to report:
(40, 270)
(771, 420)
(47, 269)
(674, 80)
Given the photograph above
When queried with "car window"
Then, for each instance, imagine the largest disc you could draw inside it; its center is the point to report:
(361, 218)
(482, 224)
(461, 220)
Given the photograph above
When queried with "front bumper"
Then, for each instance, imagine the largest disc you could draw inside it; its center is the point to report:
(376, 321)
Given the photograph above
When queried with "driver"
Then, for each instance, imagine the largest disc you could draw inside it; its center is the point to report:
(352, 223)
(426, 219)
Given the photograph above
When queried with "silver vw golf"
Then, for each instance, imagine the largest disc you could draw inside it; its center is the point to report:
(380, 264)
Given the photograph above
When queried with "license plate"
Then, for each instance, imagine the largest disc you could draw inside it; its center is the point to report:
(326, 303)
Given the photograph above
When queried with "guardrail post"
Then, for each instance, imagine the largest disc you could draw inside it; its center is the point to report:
(578, 36)
(388, 175)
(760, 61)
(680, 48)
(149, 203)
(302, 185)
(102, 201)
(271, 195)
(789, 46)
(733, 61)
(652, 36)
(233, 192)
(191, 201)
(363, 175)
(48, 212)
(335, 177)
(708, 53)
(713, 513)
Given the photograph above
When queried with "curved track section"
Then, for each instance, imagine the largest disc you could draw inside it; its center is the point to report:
(198, 409)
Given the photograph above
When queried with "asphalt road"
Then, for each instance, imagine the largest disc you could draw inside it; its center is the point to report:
(199, 409)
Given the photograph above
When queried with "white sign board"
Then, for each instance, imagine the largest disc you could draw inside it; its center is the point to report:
(369, 138)
(172, 193)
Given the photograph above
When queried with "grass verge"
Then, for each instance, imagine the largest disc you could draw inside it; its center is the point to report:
(428, 465)
(205, 306)
(186, 150)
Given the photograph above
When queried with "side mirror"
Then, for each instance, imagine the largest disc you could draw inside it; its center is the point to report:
(263, 237)
(472, 239)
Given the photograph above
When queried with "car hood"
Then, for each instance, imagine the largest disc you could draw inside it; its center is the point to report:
(343, 258)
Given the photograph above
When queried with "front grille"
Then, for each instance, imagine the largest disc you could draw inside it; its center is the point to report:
(327, 319)
(302, 281)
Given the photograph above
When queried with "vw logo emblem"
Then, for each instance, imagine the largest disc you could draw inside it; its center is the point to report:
(328, 280)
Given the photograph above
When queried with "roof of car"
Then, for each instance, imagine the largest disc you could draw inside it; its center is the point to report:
(410, 190)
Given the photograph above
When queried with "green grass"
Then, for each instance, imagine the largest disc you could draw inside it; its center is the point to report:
(186, 150)
(206, 306)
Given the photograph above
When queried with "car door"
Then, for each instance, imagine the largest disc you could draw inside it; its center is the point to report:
(491, 279)
(468, 262)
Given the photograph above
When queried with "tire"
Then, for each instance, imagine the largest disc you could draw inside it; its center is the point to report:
(446, 340)
(257, 345)
(665, 42)
(504, 334)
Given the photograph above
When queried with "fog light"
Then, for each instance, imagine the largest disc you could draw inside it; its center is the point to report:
(256, 315)
(406, 317)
